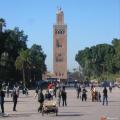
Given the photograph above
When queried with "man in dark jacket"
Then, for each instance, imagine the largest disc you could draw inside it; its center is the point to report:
(15, 97)
(84, 94)
(40, 100)
(105, 96)
(2, 95)
(78, 91)
(64, 96)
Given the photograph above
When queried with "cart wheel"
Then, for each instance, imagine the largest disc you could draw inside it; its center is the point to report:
(56, 113)
(42, 112)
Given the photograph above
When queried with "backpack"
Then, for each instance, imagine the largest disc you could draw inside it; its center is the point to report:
(84, 91)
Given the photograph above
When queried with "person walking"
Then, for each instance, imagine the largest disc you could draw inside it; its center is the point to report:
(99, 96)
(64, 96)
(110, 87)
(15, 97)
(17, 89)
(36, 92)
(48, 95)
(2, 95)
(105, 96)
(55, 90)
(78, 91)
(59, 96)
(40, 100)
(84, 95)
(7, 90)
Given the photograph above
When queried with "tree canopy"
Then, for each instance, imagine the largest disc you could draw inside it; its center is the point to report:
(100, 60)
(16, 60)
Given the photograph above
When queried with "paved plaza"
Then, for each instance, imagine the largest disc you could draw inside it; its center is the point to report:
(76, 110)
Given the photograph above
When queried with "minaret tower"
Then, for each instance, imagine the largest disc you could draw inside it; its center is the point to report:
(60, 47)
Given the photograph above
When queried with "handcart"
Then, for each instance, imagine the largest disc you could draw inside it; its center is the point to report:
(50, 106)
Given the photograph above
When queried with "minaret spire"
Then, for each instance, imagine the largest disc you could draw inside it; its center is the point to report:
(59, 17)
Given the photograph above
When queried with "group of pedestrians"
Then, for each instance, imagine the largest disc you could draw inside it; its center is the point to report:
(96, 95)
(14, 94)
(81, 92)
(61, 96)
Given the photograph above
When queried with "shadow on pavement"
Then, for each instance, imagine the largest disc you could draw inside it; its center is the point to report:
(21, 115)
(71, 114)
(115, 101)
(82, 106)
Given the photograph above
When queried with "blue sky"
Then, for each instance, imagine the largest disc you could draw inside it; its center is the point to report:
(90, 22)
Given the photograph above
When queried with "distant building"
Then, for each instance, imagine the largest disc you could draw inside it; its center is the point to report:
(48, 75)
(60, 47)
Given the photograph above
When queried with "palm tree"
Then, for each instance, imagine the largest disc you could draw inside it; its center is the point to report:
(22, 62)
(2, 24)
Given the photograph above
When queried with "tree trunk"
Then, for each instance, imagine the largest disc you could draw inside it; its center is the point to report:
(0, 28)
(24, 76)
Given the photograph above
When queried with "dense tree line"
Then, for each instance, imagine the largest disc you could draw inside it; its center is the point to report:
(17, 62)
(100, 61)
